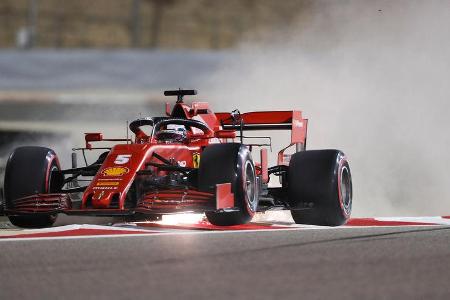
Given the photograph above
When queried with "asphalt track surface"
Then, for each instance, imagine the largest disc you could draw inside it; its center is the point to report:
(337, 263)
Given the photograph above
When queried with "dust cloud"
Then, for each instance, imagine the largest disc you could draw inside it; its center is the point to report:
(373, 78)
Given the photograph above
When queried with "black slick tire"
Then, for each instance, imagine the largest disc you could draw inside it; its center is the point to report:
(321, 179)
(230, 163)
(31, 170)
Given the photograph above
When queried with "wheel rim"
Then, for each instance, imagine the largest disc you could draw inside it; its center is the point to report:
(345, 190)
(250, 186)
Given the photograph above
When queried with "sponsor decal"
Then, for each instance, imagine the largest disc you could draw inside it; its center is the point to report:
(196, 160)
(104, 188)
(122, 159)
(115, 171)
(182, 163)
(108, 183)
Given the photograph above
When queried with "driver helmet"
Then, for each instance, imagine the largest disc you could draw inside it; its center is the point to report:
(172, 134)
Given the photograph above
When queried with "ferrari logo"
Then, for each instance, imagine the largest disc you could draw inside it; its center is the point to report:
(196, 160)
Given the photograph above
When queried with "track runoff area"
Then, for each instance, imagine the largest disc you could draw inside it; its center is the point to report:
(197, 224)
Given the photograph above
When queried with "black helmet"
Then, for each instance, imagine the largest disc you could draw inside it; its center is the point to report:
(172, 134)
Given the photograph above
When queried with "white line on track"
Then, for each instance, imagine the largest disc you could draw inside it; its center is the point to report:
(199, 232)
(431, 220)
(150, 234)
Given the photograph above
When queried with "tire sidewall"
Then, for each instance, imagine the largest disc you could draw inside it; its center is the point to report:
(343, 167)
(244, 161)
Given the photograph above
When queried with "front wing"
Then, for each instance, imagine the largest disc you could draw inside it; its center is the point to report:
(155, 202)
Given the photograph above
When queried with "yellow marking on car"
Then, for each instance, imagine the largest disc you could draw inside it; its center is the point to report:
(108, 183)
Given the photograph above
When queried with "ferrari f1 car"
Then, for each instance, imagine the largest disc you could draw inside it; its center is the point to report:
(191, 160)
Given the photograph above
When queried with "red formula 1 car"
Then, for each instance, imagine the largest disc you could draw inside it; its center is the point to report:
(192, 160)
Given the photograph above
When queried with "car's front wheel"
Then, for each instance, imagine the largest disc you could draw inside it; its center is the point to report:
(31, 170)
(230, 163)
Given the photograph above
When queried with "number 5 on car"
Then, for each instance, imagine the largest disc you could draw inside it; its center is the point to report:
(122, 159)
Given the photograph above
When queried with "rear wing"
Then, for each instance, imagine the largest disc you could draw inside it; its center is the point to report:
(270, 120)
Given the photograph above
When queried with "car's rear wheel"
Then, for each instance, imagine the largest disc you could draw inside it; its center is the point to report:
(320, 178)
(31, 170)
(230, 163)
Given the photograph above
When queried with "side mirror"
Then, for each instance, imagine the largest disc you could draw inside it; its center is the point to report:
(92, 137)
